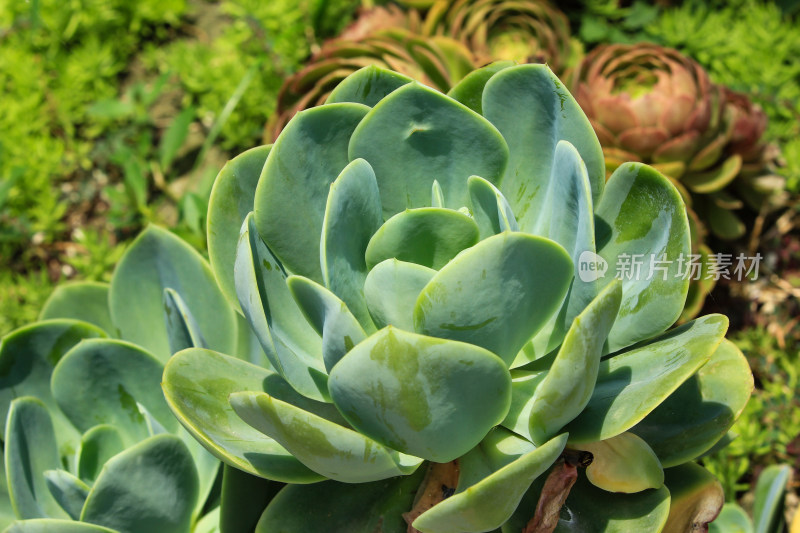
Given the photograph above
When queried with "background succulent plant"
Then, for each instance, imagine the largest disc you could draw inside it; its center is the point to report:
(525, 31)
(384, 36)
(653, 104)
(436, 42)
(414, 268)
(90, 443)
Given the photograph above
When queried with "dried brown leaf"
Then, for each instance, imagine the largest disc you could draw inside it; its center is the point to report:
(554, 494)
(440, 483)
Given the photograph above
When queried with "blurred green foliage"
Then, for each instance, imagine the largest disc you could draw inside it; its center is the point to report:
(118, 113)
(58, 57)
(770, 422)
(748, 45)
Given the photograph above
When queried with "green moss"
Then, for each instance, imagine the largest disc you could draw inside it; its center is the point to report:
(92, 89)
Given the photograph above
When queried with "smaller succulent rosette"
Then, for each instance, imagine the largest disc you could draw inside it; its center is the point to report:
(434, 42)
(524, 31)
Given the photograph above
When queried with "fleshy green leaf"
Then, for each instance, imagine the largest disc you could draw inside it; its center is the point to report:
(624, 463)
(98, 445)
(47, 525)
(368, 86)
(243, 500)
(437, 196)
(392, 289)
(568, 385)
(80, 300)
(715, 179)
(500, 448)
(149, 487)
(248, 348)
(415, 135)
(329, 316)
(534, 111)
(469, 91)
(101, 381)
(209, 523)
(6, 509)
(732, 519)
(182, 329)
(291, 195)
(327, 448)
(567, 218)
(724, 223)
(158, 260)
(69, 491)
(230, 201)
(702, 410)
(490, 503)
(427, 236)
(352, 216)
(497, 294)
(197, 384)
(342, 507)
(642, 233)
(427, 397)
(490, 209)
(27, 358)
(632, 384)
(523, 388)
(289, 342)
(769, 498)
(29, 422)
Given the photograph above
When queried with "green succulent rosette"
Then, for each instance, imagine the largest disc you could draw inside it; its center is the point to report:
(443, 349)
(90, 444)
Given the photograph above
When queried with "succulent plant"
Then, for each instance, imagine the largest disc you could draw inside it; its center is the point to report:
(435, 42)
(653, 104)
(90, 443)
(445, 348)
(524, 31)
(383, 38)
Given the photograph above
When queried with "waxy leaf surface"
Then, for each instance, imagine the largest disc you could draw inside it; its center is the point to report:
(497, 294)
(230, 201)
(410, 137)
(197, 384)
(424, 396)
(326, 447)
(632, 384)
(159, 260)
